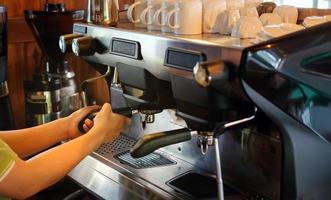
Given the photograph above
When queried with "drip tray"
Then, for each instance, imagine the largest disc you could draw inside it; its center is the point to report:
(149, 161)
(122, 143)
(199, 186)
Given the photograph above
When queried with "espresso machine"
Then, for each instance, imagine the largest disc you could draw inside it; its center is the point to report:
(6, 116)
(218, 117)
(52, 91)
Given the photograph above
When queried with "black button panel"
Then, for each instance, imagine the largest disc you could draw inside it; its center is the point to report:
(126, 48)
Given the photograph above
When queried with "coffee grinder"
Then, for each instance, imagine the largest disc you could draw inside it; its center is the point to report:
(6, 117)
(51, 93)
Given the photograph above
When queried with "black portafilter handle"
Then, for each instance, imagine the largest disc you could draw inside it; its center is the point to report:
(127, 112)
(149, 143)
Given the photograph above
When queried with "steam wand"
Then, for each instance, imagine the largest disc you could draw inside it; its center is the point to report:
(84, 84)
(127, 111)
(220, 129)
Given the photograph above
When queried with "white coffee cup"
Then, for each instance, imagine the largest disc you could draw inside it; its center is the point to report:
(228, 19)
(270, 18)
(289, 14)
(212, 10)
(187, 17)
(253, 3)
(160, 16)
(134, 12)
(235, 4)
(247, 27)
(147, 15)
(249, 11)
(272, 31)
(315, 20)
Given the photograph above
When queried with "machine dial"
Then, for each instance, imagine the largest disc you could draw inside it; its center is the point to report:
(65, 42)
(84, 46)
(205, 73)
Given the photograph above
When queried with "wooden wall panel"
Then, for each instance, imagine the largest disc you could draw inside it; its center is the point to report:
(22, 61)
(24, 55)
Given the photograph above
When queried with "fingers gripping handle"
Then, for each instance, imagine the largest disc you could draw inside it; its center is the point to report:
(90, 116)
(127, 112)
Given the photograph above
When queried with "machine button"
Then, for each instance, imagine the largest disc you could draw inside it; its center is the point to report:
(65, 42)
(205, 73)
(84, 46)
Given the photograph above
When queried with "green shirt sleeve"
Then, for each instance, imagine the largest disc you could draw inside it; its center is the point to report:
(7, 159)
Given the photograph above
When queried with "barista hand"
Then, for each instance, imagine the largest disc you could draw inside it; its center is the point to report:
(74, 119)
(108, 124)
(27, 177)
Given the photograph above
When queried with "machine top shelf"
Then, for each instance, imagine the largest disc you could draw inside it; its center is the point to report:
(204, 39)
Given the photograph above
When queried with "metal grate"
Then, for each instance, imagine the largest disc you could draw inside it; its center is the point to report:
(121, 143)
(149, 161)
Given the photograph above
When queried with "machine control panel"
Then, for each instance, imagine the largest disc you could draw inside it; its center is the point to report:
(183, 58)
(80, 29)
(126, 48)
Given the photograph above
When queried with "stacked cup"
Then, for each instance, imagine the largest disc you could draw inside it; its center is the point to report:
(178, 16)
(229, 18)
(212, 10)
(238, 18)
(134, 13)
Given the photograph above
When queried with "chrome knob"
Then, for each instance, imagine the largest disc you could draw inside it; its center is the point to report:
(84, 46)
(205, 73)
(65, 41)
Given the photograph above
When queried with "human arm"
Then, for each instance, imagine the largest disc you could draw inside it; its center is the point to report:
(28, 177)
(27, 142)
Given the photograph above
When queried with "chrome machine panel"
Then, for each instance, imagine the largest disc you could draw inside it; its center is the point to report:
(251, 160)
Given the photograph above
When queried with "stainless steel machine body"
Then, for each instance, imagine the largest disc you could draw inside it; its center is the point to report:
(251, 157)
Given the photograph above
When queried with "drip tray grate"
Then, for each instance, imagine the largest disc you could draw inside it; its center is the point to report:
(122, 143)
(149, 161)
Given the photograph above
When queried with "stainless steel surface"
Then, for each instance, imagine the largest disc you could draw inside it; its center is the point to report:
(142, 183)
(50, 98)
(205, 140)
(89, 11)
(219, 170)
(245, 166)
(68, 91)
(102, 174)
(4, 91)
(154, 45)
(72, 103)
(38, 119)
(49, 104)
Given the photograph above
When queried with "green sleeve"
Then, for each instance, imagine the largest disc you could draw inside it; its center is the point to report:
(7, 159)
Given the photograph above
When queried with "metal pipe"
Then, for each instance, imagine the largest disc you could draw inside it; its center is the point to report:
(89, 12)
(222, 128)
(83, 85)
(219, 170)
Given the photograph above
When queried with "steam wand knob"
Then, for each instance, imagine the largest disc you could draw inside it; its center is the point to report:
(84, 46)
(206, 73)
(65, 42)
